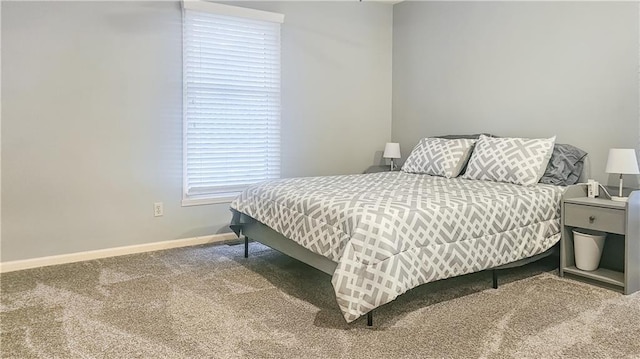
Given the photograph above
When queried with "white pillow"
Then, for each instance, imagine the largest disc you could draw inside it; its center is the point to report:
(512, 160)
(439, 157)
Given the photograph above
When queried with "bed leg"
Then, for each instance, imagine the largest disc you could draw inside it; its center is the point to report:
(246, 247)
(370, 319)
(494, 274)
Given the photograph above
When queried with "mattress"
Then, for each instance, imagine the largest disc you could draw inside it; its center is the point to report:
(392, 231)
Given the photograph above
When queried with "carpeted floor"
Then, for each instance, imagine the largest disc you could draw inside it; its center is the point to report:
(210, 302)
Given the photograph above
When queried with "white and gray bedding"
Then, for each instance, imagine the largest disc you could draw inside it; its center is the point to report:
(392, 231)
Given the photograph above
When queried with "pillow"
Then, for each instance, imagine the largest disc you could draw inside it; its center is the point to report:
(472, 137)
(565, 165)
(439, 157)
(512, 160)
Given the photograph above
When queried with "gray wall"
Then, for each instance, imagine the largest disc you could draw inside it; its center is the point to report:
(526, 69)
(91, 100)
(91, 116)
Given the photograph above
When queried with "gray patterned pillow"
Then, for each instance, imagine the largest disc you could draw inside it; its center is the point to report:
(439, 157)
(512, 160)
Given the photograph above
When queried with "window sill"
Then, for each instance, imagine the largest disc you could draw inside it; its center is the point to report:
(188, 202)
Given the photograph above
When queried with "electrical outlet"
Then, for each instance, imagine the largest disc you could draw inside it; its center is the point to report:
(157, 209)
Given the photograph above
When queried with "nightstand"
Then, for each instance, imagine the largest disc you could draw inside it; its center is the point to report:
(620, 263)
(374, 169)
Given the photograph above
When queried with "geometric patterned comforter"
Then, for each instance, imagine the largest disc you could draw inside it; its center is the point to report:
(392, 231)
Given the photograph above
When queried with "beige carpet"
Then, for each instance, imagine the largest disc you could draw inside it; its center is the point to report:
(210, 302)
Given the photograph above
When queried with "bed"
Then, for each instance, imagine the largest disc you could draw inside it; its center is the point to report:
(381, 234)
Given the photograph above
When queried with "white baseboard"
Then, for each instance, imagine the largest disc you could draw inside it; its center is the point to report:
(111, 252)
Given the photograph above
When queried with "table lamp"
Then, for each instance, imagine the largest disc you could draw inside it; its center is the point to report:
(622, 161)
(391, 151)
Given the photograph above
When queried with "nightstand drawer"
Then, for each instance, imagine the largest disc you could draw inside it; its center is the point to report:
(596, 218)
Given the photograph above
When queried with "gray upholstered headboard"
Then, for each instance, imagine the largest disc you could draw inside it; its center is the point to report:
(586, 170)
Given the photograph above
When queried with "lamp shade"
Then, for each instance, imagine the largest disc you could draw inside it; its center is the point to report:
(623, 161)
(391, 150)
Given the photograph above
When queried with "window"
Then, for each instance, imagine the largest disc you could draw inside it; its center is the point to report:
(231, 105)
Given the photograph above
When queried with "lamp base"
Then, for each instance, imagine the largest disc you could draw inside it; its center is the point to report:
(619, 199)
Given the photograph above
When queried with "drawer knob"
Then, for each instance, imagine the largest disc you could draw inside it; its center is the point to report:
(592, 218)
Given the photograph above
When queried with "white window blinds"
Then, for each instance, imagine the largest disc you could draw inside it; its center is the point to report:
(231, 109)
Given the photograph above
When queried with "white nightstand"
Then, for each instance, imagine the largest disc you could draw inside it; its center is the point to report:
(620, 263)
(374, 169)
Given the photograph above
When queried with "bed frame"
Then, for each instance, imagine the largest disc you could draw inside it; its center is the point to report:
(265, 235)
